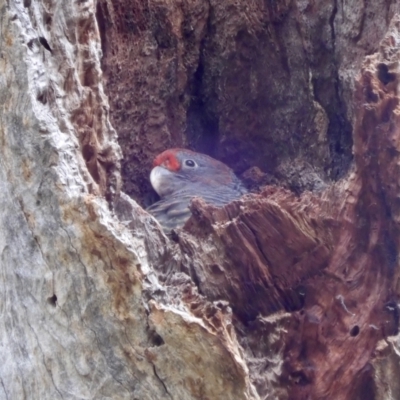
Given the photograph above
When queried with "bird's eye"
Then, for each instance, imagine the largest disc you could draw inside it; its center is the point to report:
(190, 163)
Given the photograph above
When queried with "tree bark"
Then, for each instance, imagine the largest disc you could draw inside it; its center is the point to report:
(288, 293)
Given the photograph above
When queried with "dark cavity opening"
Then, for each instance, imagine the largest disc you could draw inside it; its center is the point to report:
(355, 330)
(384, 75)
(52, 300)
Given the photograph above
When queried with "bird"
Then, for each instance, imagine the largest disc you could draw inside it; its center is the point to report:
(178, 175)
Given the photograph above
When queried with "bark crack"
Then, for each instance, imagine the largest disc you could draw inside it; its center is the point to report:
(154, 367)
(161, 381)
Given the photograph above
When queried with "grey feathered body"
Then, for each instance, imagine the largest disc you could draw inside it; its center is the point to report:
(173, 211)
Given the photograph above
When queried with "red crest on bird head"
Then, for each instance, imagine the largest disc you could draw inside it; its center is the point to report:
(168, 159)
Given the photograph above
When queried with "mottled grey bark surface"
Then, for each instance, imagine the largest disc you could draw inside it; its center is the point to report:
(278, 295)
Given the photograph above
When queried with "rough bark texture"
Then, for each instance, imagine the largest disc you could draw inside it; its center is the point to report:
(286, 293)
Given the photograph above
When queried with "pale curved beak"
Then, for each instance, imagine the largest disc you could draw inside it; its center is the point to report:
(159, 180)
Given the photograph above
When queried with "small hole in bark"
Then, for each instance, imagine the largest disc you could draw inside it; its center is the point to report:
(52, 300)
(355, 330)
(42, 97)
(45, 44)
(27, 3)
(157, 340)
(384, 75)
(174, 236)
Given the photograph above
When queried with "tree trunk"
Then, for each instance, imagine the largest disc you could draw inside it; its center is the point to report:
(288, 293)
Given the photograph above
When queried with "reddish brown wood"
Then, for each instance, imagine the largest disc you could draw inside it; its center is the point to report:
(337, 251)
(272, 87)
